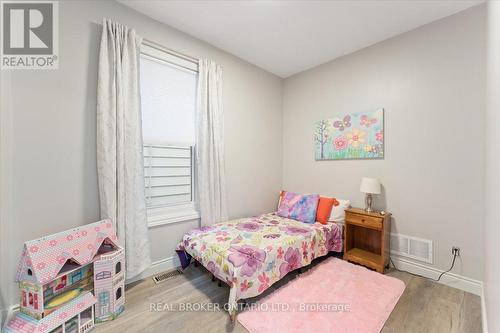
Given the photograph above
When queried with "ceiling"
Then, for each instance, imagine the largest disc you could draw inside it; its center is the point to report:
(287, 37)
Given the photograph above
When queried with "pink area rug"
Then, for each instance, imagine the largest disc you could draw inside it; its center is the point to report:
(335, 296)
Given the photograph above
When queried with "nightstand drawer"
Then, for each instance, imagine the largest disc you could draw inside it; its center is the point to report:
(367, 221)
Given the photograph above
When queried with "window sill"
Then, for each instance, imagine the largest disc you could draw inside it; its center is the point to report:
(162, 216)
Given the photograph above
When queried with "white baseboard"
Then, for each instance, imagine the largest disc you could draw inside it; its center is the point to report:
(166, 264)
(450, 279)
(483, 312)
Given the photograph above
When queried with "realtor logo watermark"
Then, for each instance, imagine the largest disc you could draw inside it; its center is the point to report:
(30, 34)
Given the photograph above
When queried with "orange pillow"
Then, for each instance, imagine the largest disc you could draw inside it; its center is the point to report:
(324, 209)
(282, 193)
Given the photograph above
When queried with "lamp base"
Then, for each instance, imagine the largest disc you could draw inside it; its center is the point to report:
(368, 202)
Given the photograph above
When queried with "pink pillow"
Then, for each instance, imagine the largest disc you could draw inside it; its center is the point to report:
(300, 207)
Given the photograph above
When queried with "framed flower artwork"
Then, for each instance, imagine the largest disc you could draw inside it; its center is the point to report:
(350, 136)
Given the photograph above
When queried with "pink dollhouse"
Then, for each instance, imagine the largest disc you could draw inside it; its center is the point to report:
(70, 280)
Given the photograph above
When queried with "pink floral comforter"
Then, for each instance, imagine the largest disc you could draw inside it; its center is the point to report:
(251, 254)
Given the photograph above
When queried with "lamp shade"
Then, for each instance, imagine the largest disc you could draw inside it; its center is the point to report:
(370, 185)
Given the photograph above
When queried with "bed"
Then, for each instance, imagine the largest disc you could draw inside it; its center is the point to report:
(251, 254)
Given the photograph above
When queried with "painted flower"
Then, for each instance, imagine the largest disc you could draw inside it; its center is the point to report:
(292, 230)
(304, 250)
(330, 241)
(379, 136)
(249, 258)
(206, 228)
(61, 260)
(222, 236)
(245, 285)
(280, 252)
(264, 282)
(292, 261)
(377, 149)
(368, 148)
(356, 137)
(213, 268)
(340, 143)
(249, 226)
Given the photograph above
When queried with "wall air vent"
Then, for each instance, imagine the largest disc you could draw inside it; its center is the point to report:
(412, 247)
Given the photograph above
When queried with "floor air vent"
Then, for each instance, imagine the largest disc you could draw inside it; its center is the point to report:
(411, 247)
(167, 275)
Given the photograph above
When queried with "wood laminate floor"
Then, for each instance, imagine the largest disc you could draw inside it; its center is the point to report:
(425, 306)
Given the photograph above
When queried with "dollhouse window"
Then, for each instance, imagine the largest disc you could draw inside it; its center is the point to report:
(30, 272)
(76, 277)
(118, 267)
(48, 292)
(103, 275)
(118, 293)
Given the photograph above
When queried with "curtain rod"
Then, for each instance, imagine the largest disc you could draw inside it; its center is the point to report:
(170, 51)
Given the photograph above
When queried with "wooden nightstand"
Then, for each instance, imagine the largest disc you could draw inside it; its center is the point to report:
(366, 238)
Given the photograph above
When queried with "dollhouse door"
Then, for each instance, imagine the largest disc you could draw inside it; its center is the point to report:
(104, 303)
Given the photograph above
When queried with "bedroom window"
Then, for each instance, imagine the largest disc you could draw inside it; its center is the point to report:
(168, 102)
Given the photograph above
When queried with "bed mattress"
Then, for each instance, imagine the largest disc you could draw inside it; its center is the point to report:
(251, 254)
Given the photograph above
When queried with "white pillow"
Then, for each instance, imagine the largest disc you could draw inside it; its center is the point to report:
(338, 212)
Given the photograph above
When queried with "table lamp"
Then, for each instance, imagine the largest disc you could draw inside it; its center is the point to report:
(369, 186)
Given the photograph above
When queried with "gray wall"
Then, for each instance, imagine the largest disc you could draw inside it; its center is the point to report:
(491, 224)
(53, 134)
(430, 83)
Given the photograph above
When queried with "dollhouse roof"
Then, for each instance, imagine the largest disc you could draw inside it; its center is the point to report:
(47, 255)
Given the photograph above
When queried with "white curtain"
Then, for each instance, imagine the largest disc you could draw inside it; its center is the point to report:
(120, 163)
(211, 177)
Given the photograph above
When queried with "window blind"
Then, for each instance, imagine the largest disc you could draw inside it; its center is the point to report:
(168, 173)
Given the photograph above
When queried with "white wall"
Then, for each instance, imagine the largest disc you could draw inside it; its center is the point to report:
(492, 218)
(5, 194)
(53, 133)
(430, 83)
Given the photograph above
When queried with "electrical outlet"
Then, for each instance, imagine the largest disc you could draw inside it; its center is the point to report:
(456, 250)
